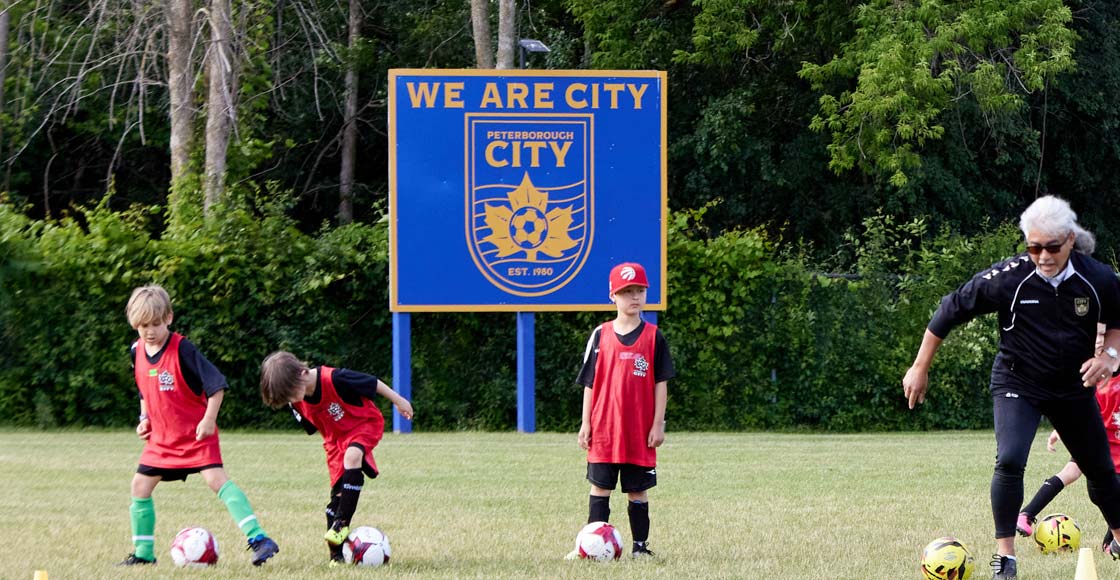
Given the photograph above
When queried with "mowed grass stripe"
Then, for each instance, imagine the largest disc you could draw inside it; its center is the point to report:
(508, 505)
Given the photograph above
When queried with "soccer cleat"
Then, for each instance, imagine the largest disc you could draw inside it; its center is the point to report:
(132, 560)
(573, 555)
(641, 552)
(336, 554)
(1114, 549)
(1003, 568)
(1024, 525)
(263, 548)
(335, 537)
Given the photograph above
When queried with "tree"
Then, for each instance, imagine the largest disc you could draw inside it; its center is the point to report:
(910, 62)
(350, 122)
(180, 86)
(480, 22)
(507, 33)
(221, 112)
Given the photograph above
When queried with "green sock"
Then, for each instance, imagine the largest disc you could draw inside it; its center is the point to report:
(143, 515)
(239, 508)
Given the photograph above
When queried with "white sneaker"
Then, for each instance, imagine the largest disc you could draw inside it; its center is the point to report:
(573, 555)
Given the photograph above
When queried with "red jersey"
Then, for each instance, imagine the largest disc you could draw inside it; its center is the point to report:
(622, 399)
(1108, 398)
(174, 411)
(343, 424)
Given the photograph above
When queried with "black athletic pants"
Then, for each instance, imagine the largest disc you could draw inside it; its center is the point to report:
(1079, 424)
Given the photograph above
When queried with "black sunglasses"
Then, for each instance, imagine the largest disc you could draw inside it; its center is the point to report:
(1036, 249)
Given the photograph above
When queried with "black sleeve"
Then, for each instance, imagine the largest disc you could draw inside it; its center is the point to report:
(1110, 300)
(132, 363)
(590, 355)
(201, 375)
(978, 296)
(353, 386)
(663, 369)
(307, 425)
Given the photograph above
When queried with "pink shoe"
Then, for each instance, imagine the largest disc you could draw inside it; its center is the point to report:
(1023, 525)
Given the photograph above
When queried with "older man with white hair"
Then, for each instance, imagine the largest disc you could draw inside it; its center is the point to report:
(1049, 300)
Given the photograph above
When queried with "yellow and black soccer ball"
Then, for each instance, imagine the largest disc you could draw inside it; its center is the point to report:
(947, 559)
(1057, 533)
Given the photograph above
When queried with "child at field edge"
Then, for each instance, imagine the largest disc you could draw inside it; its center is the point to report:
(180, 395)
(625, 374)
(338, 403)
(1108, 399)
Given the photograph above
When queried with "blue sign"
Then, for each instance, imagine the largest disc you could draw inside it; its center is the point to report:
(519, 190)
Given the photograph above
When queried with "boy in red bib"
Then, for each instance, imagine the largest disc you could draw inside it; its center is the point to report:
(626, 368)
(338, 403)
(180, 395)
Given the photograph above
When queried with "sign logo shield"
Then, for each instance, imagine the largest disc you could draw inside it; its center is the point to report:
(529, 198)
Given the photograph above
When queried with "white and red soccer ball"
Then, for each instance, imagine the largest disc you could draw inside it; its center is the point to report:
(599, 541)
(366, 546)
(194, 548)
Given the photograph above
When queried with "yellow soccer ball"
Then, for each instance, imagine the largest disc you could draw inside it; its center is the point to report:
(1057, 533)
(947, 559)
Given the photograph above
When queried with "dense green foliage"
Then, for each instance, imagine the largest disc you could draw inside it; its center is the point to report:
(833, 169)
(760, 336)
(804, 117)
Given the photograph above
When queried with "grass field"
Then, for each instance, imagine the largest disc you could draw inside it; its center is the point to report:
(508, 505)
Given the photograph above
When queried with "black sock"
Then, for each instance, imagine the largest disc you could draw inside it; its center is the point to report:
(599, 509)
(639, 521)
(1046, 494)
(350, 489)
(332, 513)
(332, 509)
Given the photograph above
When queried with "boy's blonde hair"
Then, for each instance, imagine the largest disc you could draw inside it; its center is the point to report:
(148, 305)
(280, 378)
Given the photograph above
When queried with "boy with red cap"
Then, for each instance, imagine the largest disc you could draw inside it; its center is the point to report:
(626, 367)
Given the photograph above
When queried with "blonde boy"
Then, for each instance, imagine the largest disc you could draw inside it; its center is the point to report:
(180, 395)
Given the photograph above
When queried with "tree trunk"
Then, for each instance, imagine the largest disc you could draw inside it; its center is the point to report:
(350, 128)
(480, 19)
(5, 25)
(219, 105)
(180, 86)
(507, 33)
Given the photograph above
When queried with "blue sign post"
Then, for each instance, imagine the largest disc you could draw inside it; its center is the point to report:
(517, 191)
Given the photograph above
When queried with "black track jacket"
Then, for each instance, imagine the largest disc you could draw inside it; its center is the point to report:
(1046, 333)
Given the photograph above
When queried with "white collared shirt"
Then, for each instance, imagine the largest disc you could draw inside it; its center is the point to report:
(1060, 276)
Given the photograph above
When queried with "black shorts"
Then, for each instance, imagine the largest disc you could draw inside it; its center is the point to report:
(172, 474)
(635, 478)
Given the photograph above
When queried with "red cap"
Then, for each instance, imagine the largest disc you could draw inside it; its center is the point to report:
(628, 274)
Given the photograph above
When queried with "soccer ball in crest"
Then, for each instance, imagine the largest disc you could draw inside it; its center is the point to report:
(946, 559)
(528, 227)
(1057, 533)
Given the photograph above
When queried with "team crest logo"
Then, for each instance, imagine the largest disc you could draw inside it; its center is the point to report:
(641, 366)
(335, 411)
(166, 381)
(1081, 306)
(529, 199)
